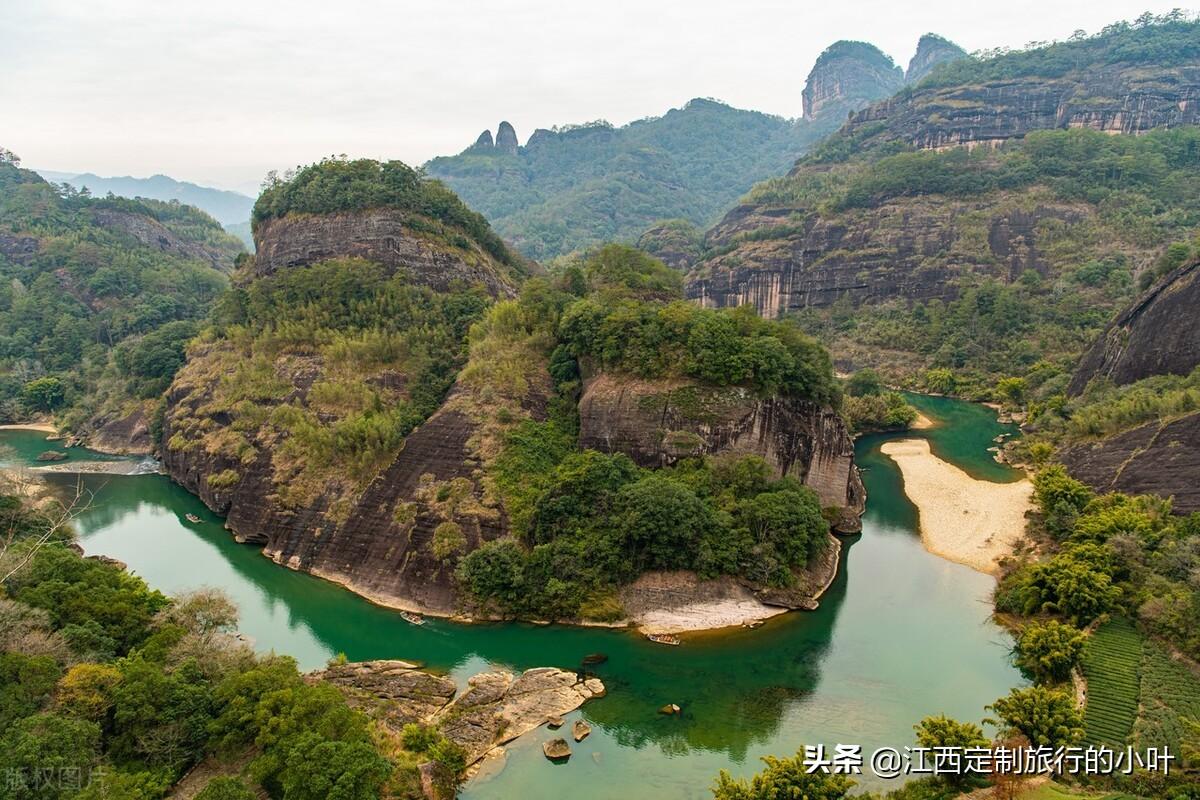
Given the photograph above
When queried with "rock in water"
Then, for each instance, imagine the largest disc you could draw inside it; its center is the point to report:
(593, 659)
(670, 709)
(554, 722)
(580, 730)
(52, 455)
(557, 749)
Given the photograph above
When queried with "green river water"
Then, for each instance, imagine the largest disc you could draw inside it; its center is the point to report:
(900, 634)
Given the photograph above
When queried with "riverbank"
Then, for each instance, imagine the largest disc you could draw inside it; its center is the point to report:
(961, 518)
(41, 427)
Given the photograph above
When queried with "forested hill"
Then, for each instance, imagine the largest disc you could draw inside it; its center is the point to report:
(97, 297)
(577, 186)
(984, 224)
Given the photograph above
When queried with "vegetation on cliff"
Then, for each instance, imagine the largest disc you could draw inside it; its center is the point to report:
(337, 185)
(98, 295)
(585, 522)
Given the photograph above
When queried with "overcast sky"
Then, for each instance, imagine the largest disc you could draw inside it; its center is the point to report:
(220, 91)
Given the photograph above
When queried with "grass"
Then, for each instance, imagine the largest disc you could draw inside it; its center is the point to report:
(1170, 697)
(1056, 791)
(1112, 664)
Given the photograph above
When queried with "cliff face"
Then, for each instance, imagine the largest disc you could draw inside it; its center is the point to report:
(1115, 99)
(388, 237)
(657, 423)
(846, 77)
(1161, 458)
(901, 248)
(1157, 335)
(932, 50)
(154, 234)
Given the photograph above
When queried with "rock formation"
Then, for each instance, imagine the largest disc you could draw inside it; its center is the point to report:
(1114, 98)
(846, 77)
(1161, 458)
(483, 144)
(1157, 335)
(677, 243)
(932, 50)
(901, 248)
(506, 139)
(385, 236)
(659, 422)
(496, 707)
(152, 233)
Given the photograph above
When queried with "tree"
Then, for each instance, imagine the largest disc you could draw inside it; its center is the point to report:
(1012, 390)
(783, 779)
(942, 731)
(448, 541)
(333, 770)
(1046, 717)
(1060, 497)
(226, 788)
(864, 382)
(86, 690)
(1048, 651)
(44, 394)
(47, 744)
(661, 522)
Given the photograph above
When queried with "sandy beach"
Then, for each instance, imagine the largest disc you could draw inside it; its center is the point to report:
(728, 613)
(962, 519)
(44, 427)
(922, 423)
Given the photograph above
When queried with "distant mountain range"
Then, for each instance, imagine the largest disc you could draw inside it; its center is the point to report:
(231, 209)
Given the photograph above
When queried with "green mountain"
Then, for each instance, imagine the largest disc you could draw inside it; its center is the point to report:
(226, 207)
(97, 298)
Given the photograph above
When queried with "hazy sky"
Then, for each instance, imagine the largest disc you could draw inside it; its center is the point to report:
(218, 92)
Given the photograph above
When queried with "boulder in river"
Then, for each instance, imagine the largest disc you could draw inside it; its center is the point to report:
(580, 730)
(670, 709)
(557, 749)
(53, 455)
(554, 722)
(592, 659)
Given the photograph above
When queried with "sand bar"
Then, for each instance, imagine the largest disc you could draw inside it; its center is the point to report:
(962, 519)
(44, 427)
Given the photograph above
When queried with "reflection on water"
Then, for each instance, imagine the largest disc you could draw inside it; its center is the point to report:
(900, 634)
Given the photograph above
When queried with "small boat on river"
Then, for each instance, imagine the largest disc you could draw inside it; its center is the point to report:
(412, 618)
(663, 638)
(192, 518)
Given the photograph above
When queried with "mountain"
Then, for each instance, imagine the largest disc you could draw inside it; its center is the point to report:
(847, 76)
(99, 296)
(392, 399)
(229, 208)
(932, 52)
(990, 217)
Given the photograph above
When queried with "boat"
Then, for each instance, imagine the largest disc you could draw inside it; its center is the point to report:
(192, 518)
(663, 638)
(412, 618)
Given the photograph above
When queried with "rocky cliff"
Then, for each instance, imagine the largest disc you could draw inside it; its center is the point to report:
(1157, 335)
(781, 259)
(846, 77)
(1161, 458)
(657, 423)
(932, 51)
(398, 240)
(1115, 98)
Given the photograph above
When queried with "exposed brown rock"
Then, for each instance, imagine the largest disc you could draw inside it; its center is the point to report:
(1159, 334)
(659, 422)
(152, 233)
(506, 139)
(580, 730)
(1161, 458)
(556, 749)
(846, 77)
(385, 236)
(932, 51)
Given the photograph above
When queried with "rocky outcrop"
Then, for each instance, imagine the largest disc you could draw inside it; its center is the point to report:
(392, 238)
(152, 233)
(1114, 99)
(17, 249)
(1158, 334)
(496, 707)
(900, 249)
(657, 423)
(483, 144)
(1161, 458)
(125, 434)
(846, 77)
(932, 50)
(506, 139)
(677, 243)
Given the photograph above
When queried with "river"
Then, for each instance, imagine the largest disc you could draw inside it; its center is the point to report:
(901, 634)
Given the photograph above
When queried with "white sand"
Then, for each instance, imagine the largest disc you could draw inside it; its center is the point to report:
(705, 616)
(44, 427)
(922, 422)
(962, 519)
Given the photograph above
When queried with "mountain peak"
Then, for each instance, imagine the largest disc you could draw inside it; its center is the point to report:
(847, 76)
(932, 50)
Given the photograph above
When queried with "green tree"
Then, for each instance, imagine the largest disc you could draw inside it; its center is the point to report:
(863, 383)
(783, 779)
(226, 788)
(1046, 717)
(47, 744)
(26, 683)
(44, 394)
(942, 731)
(1048, 651)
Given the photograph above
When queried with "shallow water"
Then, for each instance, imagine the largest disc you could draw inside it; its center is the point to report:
(901, 634)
